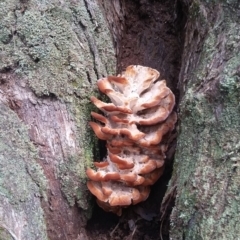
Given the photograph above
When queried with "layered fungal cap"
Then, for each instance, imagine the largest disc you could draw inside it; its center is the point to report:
(136, 125)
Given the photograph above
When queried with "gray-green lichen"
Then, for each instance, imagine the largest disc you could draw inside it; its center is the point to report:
(60, 49)
(20, 208)
(207, 162)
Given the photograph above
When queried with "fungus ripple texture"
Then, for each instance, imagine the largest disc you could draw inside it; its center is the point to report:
(136, 126)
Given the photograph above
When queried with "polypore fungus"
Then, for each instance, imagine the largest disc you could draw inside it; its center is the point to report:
(136, 125)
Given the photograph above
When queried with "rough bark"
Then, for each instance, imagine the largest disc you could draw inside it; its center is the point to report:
(52, 53)
(206, 176)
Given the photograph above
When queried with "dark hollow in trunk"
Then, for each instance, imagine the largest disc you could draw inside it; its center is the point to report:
(149, 34)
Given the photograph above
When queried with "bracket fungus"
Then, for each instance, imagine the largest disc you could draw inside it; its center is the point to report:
(136, 125)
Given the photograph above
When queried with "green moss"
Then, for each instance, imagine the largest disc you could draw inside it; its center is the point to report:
(18, 174)
(14, 142)
(61, 49)
(72, 171)
(207, 161)
(4, 234)
(58, 48)
(206, 166)
(195, 9)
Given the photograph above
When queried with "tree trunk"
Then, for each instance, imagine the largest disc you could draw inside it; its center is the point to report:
(206, 175)
(52, 53)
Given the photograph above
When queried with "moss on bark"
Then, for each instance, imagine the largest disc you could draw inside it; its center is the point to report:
(206, 169)
(54, 50)
(22, 181)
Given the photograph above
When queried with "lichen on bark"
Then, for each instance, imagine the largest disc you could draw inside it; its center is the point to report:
(52, 53)
(22, 181)
(206, 169)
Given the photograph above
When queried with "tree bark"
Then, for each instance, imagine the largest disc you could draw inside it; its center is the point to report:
(206, 175)
(52, 53)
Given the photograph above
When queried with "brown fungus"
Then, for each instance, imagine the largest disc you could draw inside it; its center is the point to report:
(134, 125)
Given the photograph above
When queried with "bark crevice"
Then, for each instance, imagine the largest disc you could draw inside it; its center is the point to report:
(149, 34)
